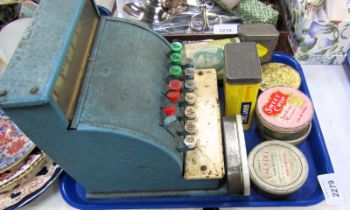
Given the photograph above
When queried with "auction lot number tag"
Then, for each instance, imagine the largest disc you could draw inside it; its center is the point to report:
(225, 29)
(331, 190)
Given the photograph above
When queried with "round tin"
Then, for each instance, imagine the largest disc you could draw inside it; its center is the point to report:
(295, 141)
(284, 111)
(279, 74)
(266, 131)
(277, 168)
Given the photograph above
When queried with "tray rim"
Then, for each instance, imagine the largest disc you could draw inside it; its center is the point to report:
(67, 184)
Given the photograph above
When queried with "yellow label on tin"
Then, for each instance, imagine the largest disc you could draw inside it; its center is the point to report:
(262, 50)
(296, 101)
(241, 99)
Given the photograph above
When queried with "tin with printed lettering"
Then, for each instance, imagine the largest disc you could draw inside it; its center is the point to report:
(278, 169)
(284, 113)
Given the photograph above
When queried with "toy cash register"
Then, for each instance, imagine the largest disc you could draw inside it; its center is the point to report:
(96, 94)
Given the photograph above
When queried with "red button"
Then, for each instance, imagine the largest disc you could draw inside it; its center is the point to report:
(173, 96)
(175, 85)
(169, 110)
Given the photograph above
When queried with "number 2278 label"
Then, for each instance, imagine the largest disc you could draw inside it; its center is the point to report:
(225, 29)
(331, 190)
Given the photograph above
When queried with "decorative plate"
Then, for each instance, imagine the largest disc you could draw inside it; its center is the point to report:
(11, 178)
(15, 146)
(28, 191)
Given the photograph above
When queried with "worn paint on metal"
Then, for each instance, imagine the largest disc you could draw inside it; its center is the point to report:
(206, 161)
(38, 58)
(115, 144)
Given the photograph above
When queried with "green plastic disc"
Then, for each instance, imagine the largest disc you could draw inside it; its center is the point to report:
(175, 71)
(176, 46)
(176, 58)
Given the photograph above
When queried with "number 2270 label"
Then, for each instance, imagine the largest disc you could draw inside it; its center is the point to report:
(331, 189)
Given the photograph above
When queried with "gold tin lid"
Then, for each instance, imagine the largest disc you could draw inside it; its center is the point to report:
(279, 74)
(277, 168)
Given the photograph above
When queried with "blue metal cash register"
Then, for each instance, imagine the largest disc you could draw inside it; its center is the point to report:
(89, 91)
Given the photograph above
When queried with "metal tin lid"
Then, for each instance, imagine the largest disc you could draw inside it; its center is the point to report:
(242, 64)
(236, 156)
(277, 168)
(279, 74)
(244, 158)
(284, 109)
(248, 32)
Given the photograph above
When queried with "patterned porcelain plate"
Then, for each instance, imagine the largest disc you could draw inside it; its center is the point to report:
(11, 178)
(28, 191)
(14, 145)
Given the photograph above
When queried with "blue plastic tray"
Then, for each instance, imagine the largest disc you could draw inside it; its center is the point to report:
(347, 60)
(313, 147)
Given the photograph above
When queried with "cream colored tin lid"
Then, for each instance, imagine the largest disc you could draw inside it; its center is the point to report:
(279, 74)
(284, 109)
(277, 167)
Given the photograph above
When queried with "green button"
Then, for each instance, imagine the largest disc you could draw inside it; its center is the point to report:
(176, 58)
(175, 71)
(176, 46)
